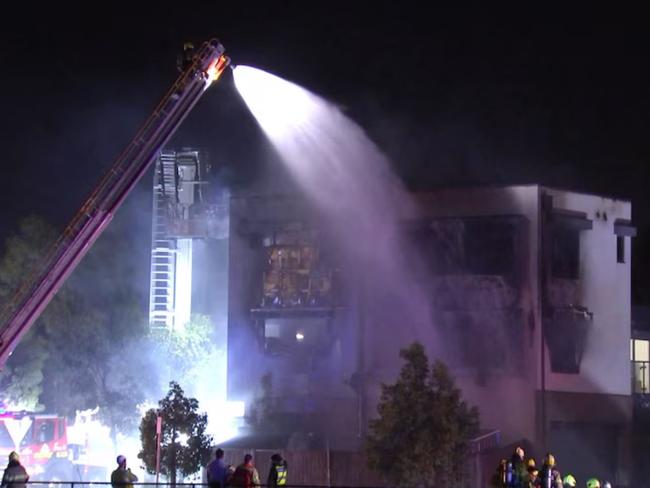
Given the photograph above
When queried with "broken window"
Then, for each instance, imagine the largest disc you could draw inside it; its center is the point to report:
(489, 247)
(440, 245)
(565, 331)
(565, 253)
(475, 245)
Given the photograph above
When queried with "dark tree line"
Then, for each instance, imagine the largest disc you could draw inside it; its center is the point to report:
(92, 346)
(84, 350)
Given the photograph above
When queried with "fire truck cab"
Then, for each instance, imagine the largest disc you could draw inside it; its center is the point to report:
(41, 440)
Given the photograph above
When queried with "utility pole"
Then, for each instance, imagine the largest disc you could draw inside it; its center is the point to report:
(158, 441)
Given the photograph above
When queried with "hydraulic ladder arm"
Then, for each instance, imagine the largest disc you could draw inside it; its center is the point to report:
(96, 213)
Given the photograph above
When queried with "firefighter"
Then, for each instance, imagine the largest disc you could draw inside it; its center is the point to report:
(186, 58)
(549, 475)
(122, 477)
(531, 480)
(518, 468)
(15, 475)
(245, 476)
(278, 472)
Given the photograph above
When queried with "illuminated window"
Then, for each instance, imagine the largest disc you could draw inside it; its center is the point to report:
(641, 350)
(641, 377)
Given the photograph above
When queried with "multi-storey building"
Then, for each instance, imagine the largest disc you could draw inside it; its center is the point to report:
(527, 293)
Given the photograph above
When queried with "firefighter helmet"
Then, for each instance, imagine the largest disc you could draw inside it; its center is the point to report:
(531, 463)
(549, 460)
(13, 456)
(569, 480)
(593, 483)
(606, 484)
(121, 459)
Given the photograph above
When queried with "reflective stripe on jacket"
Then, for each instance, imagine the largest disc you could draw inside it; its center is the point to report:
(281, 470)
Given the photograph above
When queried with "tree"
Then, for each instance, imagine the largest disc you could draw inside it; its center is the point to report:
(420, 437)
(190, 354)
(85, 349)
(22, 378)
(185, 446)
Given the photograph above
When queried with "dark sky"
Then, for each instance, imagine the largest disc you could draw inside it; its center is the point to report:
(455, 97)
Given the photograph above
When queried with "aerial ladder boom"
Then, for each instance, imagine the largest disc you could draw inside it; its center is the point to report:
(96, 213)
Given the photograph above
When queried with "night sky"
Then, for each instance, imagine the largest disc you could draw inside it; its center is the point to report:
(454, 97)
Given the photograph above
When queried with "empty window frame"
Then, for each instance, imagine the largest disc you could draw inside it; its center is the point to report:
(620, 249)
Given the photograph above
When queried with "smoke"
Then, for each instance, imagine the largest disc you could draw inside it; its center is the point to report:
(364, 204)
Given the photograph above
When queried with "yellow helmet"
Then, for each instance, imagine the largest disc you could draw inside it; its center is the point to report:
(531, 463)
(549, 460)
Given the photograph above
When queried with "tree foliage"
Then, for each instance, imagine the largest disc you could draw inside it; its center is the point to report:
(22, 378)
(185, 446)
(420, 437)
(189, 353)
(84, 350)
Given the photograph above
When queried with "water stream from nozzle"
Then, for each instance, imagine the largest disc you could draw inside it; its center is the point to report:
(351, 181)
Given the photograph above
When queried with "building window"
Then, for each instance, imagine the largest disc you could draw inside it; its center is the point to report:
(566, 253)
(620, 249)
(641, 366)
(489, 246)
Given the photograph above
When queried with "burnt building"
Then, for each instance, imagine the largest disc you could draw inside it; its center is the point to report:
(524, 291)
(546, 314)
(529, 290)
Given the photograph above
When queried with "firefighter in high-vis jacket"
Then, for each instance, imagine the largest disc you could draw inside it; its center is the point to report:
(278, 472)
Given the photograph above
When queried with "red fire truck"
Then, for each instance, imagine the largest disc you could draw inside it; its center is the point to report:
(45, 451)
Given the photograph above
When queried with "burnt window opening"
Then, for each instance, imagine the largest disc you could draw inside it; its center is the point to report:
(489, 247)
(565, 331)
(478, 246)
(564, 359)
(565, 253)
(620, 249)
